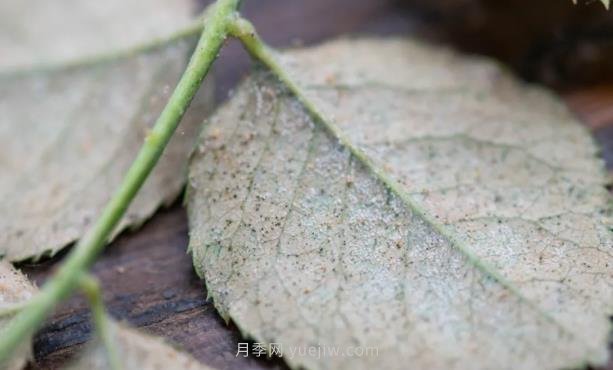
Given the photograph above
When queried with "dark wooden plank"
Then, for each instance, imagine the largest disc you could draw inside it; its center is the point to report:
(592, 104)
(147, 276)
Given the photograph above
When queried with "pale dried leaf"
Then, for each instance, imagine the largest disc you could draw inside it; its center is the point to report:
(42, 32)
(68, 135)
(135, 350)
(463, 225)
(15, 289)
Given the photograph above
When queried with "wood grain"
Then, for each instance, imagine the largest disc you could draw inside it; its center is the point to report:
(147, 276)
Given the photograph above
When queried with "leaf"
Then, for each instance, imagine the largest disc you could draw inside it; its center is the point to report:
(39, 32)
(135, 350)
(15, 289)
(69, 132)
(441, 214)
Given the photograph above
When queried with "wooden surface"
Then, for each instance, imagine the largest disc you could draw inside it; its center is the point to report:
(147, 276)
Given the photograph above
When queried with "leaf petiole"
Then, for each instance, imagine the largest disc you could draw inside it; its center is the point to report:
(91, 289)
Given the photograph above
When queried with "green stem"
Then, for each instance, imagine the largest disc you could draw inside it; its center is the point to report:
(91, 288)
(88, 248)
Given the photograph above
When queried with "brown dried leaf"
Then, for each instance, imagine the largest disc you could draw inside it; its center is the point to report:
(15, 289)
(442, 213)
(69, 133)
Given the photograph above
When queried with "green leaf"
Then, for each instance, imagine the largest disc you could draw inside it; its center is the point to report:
(440, 213)
(69, 128)
(135, 350)
(15, 290)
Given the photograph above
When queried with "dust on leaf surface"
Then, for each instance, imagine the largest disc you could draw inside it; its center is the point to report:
(441, 214)
(15, 290)
(68, 133)
(135, 350)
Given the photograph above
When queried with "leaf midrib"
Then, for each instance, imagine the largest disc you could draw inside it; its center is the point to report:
(319, 118)
(192, 29)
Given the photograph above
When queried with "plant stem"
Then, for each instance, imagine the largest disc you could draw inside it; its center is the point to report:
(91, 288)
(88, 248)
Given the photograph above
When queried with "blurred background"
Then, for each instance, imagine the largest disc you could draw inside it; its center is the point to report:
(550, 41)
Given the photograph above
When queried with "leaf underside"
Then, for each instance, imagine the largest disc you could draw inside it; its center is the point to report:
(442, 213)
(38, 33)
(15, 289)
(69, 132)
(135, 350)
